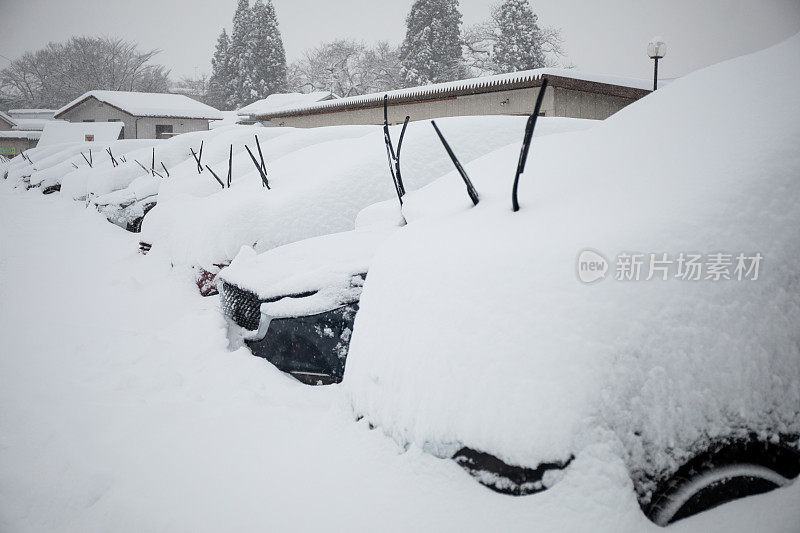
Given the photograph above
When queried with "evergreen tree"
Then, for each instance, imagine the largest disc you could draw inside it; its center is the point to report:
(220, 80)
(241, 88)
(431, 51)
(519, 39)
(267, 53)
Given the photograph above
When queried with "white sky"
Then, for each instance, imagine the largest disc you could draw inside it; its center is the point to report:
(605, 37)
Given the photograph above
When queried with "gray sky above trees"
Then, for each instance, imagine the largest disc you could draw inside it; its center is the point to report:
(607, 37)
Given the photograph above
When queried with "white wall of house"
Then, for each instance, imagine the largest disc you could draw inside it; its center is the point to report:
(135, 127)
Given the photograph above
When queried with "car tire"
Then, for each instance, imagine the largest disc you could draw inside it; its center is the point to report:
(723, 475)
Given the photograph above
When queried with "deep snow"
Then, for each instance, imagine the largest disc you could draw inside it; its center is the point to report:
(474, 329)
(320, 177)
(121, 409)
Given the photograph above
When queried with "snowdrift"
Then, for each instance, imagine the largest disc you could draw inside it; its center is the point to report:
(475, 330)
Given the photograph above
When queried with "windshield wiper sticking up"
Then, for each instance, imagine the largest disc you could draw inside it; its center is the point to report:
(394, 157)
(473, 194)
(526, 143)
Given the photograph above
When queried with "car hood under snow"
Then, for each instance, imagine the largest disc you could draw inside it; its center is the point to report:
(324, 266)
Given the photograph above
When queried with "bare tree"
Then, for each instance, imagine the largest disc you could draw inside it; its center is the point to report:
(60, 72)
(479, 40)
(193, 87)
(381, 62)
(346, 68)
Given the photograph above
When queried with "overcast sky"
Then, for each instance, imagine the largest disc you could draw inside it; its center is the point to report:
(605, 37)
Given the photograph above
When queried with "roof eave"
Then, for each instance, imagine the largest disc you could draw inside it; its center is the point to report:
(375, 101)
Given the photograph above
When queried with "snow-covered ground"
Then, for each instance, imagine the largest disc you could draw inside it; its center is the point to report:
(121, 409)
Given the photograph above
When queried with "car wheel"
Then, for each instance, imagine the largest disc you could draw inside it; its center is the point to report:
(721, 476)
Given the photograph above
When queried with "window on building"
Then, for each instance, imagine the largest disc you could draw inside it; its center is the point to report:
(163, 131)
(88, 120)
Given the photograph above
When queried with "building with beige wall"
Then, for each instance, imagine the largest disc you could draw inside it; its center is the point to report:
(569, 94)
(144, 115)
(13, 140)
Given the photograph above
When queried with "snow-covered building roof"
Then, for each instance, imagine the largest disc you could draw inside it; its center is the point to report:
(149, 104)
(40, 114)
(31, 124)
(5, 118)
(283, 101)
(566, 78)
(16, 134)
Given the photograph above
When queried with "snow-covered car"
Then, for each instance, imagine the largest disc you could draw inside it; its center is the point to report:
(319, 180)
(295, 305)
(572, 342)
(301, 299)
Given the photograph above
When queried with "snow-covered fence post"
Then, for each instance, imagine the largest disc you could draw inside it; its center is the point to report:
(473, 194)
(526, 143)
(394, 157)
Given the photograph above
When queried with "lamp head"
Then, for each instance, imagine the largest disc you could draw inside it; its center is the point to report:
(656, 48)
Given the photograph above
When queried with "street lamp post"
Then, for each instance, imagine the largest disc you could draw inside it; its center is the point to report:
(656, 49)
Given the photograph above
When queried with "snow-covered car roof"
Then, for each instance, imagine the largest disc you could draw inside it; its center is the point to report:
(475, 328)
(149, 104)
(320, 179)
